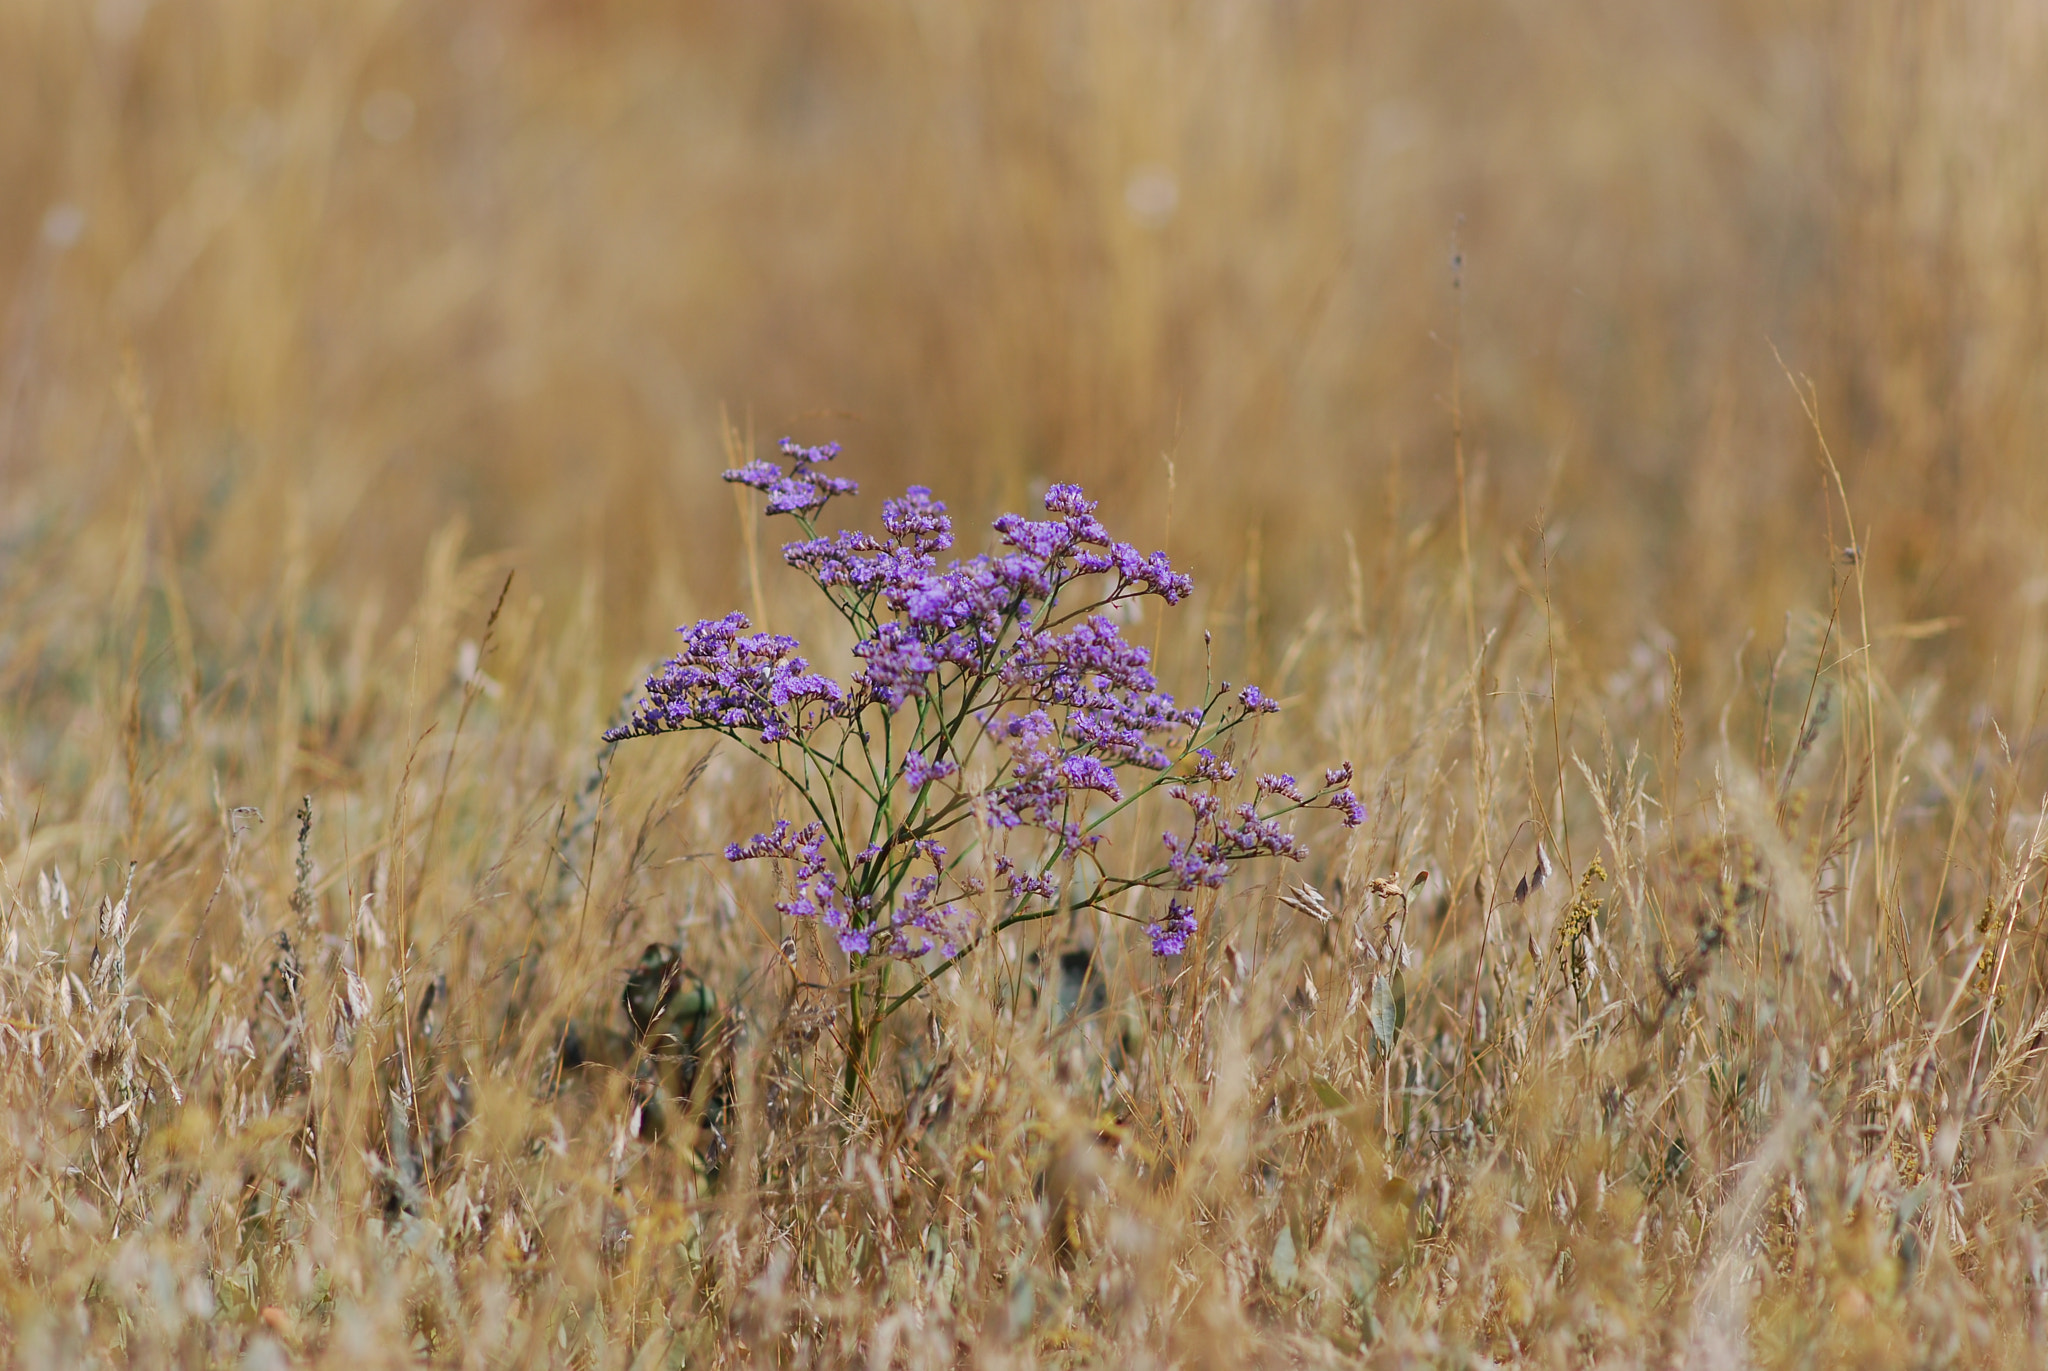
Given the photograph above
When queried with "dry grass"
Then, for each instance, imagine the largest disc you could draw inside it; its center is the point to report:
(322, 319)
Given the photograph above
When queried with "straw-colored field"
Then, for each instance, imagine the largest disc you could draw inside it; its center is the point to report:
(1619, 429)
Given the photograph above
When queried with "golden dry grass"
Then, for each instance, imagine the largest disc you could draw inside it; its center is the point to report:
(320, 319)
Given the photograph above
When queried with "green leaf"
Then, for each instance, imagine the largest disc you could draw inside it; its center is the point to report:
(1387, 1010)
(1332, 1098)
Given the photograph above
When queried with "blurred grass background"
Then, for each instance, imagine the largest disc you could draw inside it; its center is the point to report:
(319, 319)
(370, 267)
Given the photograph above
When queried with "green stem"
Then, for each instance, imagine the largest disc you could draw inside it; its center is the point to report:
(856, 1046)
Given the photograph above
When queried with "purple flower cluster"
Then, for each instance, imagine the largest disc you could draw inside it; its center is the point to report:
(818, 893)
(923, 922)
(1035, 788)
(1257, 702)
(917, 526)
(1285, 786)
(957, 618)
(1113, 704)
(1202, 858)
(920, 771)
(800, 490)
(1023, 884)
(1170, 935)
(729, 680)
(1344, 800)
(1077, 545)
(919, 619)
(988, 650)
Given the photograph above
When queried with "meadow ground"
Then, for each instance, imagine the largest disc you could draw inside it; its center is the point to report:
(1621, 430)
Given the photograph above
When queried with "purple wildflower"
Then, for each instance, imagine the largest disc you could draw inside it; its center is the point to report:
(1256, 837)
(918, 522)
(1065, 498)
(1078, 545)
(1114, 705)
(1021, 884)
(802, 845)
(917, 527)
(817, 892)
(1170, 935)
(1194, 864)
(801, 490)
(1036, 789)
(1000, 648)
(1088, 773)
(1282, 785)
(898, 663)
(730, 680)
(924, 922)
(757, 473)
(918, 771)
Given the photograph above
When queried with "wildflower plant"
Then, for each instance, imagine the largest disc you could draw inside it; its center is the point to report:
(962, 781)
